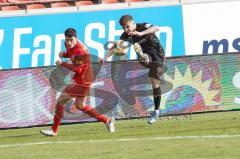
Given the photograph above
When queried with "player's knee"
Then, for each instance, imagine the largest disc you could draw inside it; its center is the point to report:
(145, 60)
(157, 91)
(79, 106)
(62, 101)
(155, 84)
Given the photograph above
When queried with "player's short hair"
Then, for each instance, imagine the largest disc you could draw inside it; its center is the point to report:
(70, 32)
(125, 19)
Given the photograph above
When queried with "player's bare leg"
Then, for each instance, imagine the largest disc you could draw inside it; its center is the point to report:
(59, 113)
(108, 121)
(157, 99)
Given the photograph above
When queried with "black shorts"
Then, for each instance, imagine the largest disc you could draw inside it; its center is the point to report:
(156, 64)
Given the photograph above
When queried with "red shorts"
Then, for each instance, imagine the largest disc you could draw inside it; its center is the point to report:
(77, 90)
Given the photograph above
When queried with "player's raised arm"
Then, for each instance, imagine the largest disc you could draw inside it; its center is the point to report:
(150, 30)
(109, 54)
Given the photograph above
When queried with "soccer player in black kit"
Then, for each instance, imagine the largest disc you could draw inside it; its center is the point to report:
(150, 54)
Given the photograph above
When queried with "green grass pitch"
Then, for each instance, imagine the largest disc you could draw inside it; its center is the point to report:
(203, 136)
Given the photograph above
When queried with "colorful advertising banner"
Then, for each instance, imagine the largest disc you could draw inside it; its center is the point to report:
(122, 89)
(36, 40)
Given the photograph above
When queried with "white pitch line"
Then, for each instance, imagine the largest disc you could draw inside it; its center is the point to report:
(121, 140)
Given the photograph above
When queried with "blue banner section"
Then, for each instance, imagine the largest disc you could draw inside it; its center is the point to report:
(36, 40)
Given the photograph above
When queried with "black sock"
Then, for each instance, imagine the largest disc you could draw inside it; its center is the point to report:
(157, 101)
(157, 97)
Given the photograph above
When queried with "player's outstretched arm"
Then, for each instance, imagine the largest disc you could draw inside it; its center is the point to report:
(102, 60)
(71, 67)
(109, 54)
(150, 30)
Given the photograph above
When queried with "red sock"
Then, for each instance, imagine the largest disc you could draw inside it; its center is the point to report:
(57, 117)
(94, 113)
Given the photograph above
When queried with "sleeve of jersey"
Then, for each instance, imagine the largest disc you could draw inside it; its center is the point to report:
(121, 37)
(146, 25)
(76, 69)
(124, 37)
(66, 55)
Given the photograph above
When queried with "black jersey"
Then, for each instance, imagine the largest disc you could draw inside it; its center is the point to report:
(150, 43)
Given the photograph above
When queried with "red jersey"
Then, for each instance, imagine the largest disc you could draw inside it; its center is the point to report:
(81, 64)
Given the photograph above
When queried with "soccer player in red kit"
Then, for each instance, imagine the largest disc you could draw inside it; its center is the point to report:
(80, 84)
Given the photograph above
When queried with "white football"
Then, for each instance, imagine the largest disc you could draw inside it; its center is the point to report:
(121, 48)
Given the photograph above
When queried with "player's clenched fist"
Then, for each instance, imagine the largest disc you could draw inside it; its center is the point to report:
(58, 62)
(61, 54)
